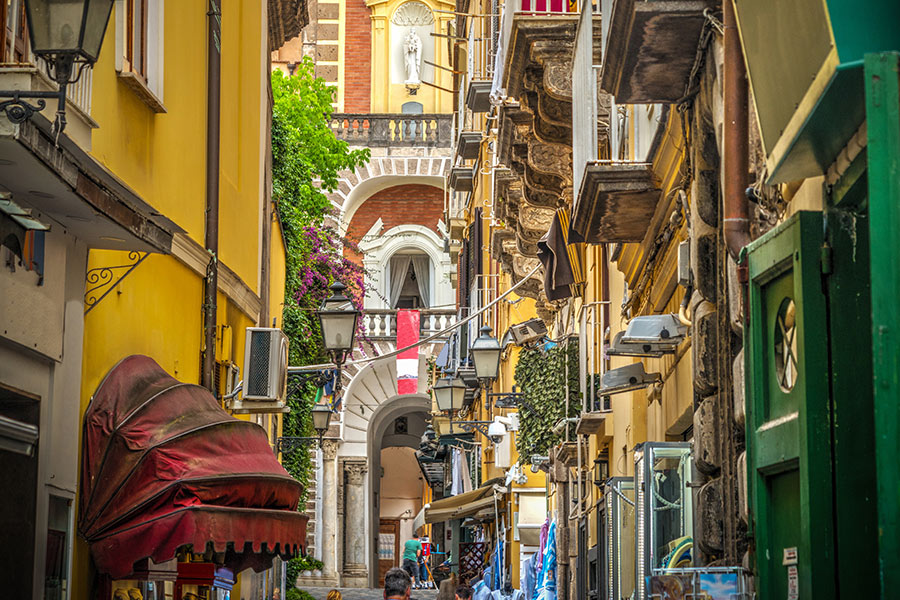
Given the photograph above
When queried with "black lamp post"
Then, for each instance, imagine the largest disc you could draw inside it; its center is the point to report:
(67, 35)
(338, 318)
(601, 469)
(449, 393)
(321, 418)
(485, 352)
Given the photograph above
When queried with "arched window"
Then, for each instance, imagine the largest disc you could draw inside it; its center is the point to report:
(411, 108)
(409, 283)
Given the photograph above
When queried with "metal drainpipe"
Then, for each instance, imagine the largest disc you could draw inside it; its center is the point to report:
(214, 77)
(735, 221)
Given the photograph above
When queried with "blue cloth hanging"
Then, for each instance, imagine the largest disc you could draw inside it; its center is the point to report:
(546, 587)
(481, 591)
(528, 585)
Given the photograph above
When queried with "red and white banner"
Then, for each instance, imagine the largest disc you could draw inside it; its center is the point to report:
(407, 362)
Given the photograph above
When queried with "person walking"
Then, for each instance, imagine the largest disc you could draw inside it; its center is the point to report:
(397, 584)
(412, 550)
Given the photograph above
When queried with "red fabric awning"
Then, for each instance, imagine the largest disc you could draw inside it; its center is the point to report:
(163, 465)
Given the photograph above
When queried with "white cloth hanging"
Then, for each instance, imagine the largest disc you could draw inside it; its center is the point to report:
(422, 268)
(399, 266)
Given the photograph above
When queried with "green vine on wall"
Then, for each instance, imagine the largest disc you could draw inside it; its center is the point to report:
(307, 159)
(541, 375)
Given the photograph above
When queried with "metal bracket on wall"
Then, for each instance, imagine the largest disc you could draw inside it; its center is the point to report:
(105, 279)
(505, 399)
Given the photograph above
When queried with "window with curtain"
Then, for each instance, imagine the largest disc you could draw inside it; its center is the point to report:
(409, 281)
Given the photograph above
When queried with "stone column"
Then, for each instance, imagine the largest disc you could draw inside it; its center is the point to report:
(326, 529)
(354, 571)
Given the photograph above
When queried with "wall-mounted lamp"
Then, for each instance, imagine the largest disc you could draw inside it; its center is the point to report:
(67, 36)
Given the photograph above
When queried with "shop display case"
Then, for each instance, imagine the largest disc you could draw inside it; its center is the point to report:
(664, 510)
(618, 537)
(701, 583)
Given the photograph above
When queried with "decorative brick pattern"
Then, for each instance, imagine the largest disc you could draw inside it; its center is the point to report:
(327, 72)
(381, 166)
(327, 32)
(399, 205)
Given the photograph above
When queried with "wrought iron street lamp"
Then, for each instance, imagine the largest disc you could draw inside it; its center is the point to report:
(429, 436)
(601, 469)
(485, 352)
(321, 418)
(67, 35)
(449, 393)
(338, 318)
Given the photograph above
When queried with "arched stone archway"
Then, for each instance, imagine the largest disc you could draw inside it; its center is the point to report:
(350, 512)
(381, 173)
(414, 406)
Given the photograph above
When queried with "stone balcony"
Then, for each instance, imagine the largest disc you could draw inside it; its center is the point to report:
(373, 130)
(381, 325)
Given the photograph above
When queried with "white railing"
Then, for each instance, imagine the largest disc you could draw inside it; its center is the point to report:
(484, 291)
(584, 98)
(542, 7)
(382, 324)
(79, 93)
(592, 352)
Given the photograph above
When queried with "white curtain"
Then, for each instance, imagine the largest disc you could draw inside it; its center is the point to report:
(399, 269)
(460, 477)
(422, 269)
(455, 475)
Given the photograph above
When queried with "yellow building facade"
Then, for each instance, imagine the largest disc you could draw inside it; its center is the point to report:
(138, 120)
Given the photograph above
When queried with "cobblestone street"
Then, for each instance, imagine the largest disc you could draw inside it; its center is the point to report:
(319, 593)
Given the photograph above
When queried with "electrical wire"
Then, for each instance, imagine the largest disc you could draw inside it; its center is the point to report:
(433, 336)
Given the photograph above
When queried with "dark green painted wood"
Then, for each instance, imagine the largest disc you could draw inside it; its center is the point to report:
(789, 432)
(849, 326)
(785, 46)
(883, 117)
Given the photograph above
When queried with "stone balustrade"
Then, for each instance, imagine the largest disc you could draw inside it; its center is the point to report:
(382, 324)
(377, 130)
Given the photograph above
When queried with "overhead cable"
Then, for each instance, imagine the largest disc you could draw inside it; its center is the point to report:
(433, 336)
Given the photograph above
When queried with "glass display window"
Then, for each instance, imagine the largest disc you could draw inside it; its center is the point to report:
(663, 503)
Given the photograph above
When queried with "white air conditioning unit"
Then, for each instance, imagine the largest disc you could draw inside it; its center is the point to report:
(265, 365)
(527, 332)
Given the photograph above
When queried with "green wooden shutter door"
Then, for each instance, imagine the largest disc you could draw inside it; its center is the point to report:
(788, 412)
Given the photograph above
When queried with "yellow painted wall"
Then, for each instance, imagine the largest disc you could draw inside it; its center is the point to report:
(157, 309)
(277, 268)
(163, 156)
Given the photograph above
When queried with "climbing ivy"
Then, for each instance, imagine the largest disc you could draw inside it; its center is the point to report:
(306, 161)
(541, 375)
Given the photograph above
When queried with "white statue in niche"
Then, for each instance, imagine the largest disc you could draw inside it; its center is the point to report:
(412, 57)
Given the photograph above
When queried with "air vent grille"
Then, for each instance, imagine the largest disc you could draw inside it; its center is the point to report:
(258, 369)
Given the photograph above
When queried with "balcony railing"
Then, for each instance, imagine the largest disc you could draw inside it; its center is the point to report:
(374, 130)
(382, 324)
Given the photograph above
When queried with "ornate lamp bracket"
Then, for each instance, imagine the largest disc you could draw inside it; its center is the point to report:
(102, 280)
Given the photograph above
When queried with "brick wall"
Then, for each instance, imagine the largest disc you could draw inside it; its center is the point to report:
(399, 205)
(357, 57)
